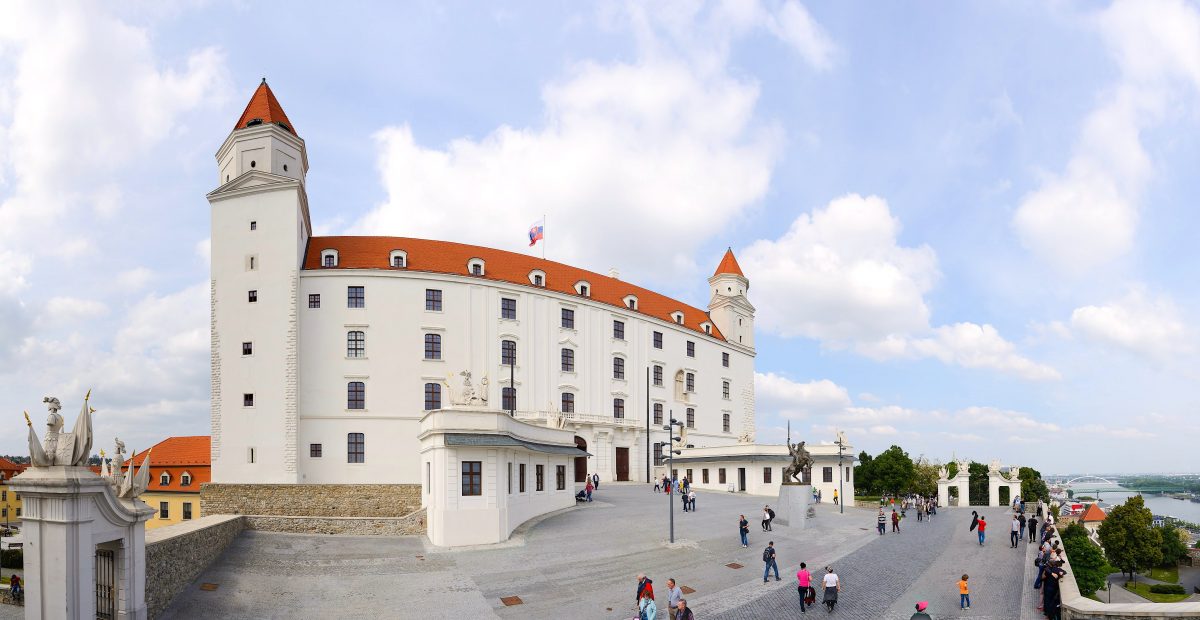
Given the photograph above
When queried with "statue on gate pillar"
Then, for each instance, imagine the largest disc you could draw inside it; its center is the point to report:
(62, 448)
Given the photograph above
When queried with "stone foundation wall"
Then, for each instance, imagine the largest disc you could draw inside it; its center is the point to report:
(386, 501)
(409, 525)
(177, 554)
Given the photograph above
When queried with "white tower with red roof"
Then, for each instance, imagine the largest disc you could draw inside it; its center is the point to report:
(729, 309)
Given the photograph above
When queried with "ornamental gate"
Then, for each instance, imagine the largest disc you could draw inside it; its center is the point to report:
(106, 585)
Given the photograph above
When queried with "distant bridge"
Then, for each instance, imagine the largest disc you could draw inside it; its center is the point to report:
(1089, 478)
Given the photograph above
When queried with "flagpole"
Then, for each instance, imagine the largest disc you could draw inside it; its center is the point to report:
(543, 236)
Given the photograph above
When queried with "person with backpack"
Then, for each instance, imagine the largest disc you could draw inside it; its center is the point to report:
(769, 561)
(804, 587)
(744, 530)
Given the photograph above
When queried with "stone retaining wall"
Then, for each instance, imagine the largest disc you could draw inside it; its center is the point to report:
(408, 525)
(1078, 607)
(177, 554)
(386, 501)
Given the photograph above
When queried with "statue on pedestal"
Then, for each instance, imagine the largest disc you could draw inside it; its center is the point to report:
(468, 395)
(800, 471)
(943, 473)
(58, 447)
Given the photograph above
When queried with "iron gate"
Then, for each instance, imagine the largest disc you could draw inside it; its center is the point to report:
(106, 585)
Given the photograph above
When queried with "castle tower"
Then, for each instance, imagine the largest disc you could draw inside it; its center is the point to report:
(260, 227)
(729, 308)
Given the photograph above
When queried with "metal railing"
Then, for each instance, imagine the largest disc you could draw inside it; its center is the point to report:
(579, 418)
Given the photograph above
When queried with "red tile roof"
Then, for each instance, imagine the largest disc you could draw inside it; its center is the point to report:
(451, 258)
(9, 468)
(1092, 513)
(729, 264)
(176, 455)
(265, 107)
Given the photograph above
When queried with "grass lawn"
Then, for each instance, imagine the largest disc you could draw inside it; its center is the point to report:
(1143, 590)
(874, 499)
(1165, 575)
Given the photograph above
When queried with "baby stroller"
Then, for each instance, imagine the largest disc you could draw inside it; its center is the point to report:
(581, 496)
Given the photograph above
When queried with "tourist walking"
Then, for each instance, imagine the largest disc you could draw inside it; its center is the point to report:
(674, 595)
(769, 561)
(1032, 525)
(833, 585)
(895, 522)
(835, 497)
(684, 498)
(882, 522)
(804, 587)
(768, 514)
(692, 499)
(744, 530)
(1014, 536)
(643, 585)
(647, 609)
(596, 481)
(1021, 519)
(657, 485)
(588, 490)
(682, 612)
(964, 593)
(920, 614)
(982, 527)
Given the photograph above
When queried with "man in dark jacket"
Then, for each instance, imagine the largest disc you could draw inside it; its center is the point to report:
(682, 612)
(644, 583)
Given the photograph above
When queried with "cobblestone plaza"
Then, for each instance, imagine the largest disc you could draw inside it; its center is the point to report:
(584, 561)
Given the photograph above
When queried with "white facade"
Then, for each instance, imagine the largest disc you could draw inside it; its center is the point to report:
(745, 469)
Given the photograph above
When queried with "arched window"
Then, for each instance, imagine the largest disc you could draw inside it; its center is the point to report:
(508, 352)
(691, 418)
(329, 258)
(658, 414)
(185, 479)
(164, 479)
(725, 422)
(618, 368)
(356, 344)
(475, 267)
(433, 396)
(433, 346)
(568, 360)
(618, 407)
(398, 259)
(568, 402)
(356, 395)
(690, 382)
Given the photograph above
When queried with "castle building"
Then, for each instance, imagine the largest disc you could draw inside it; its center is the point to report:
(327, 352)
(178, 466)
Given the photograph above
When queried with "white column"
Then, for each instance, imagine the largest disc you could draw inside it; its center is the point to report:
(943, 493)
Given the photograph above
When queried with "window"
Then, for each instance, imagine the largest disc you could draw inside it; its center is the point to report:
(314, 450)
(508, 352)
(314, 300)
(568, 318)
(658, 376)
(618, 368)
(704, 476)
(678, 317)
(539, 472)
(618, 407)
(508, 308)
(847, 474)
(329, 260)
(356, 395)
(472, 478)
(725, 422)
(521, 479)
(509, 478)
(250, 455)
(691, 418)
(689, 476)
(619, 330)
(691, 349)
(568, 360)
(252, 297)
(397, 261)
(658, 414)
(433, 396)
(766, 475)
(690, 382)
(433, 346)
(247, 400)
(477, 269)
(631, 303)
(253, 263)
(827, 474)
(708, 329)
(185, 480)
(433, 300)
(187, 511)
(568, 402)
(721, 476)
(560, 477)
(356, 344)
(725, 360)
(356, 448)
(658, 453)
(725, 390)
(538, 280)
(581, 288)
(253, 225)
(657, 340)
(508, 399)
(355, 297)
(247, 348)
(164, 510)
(164, 479)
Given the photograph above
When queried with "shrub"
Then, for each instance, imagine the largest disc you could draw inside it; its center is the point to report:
(12, 558)
(1167, 588)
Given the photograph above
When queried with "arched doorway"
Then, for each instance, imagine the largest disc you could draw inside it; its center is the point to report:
(581, 468)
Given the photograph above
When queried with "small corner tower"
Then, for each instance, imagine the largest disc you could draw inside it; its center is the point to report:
(260, 229)
(729, 308)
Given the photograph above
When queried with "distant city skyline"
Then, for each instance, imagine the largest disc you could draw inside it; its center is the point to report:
(969, 229)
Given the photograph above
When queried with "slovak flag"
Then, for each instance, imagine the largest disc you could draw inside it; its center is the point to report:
(536, 232)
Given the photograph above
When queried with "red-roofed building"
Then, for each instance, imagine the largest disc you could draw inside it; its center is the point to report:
(178, 466)
(1092, 517)
(10, 501)
(329, 350)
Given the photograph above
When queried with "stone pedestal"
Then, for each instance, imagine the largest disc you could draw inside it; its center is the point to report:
(83, 546)
(792, 508)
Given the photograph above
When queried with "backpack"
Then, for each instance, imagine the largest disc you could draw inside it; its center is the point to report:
(768, 553)
(771, 512)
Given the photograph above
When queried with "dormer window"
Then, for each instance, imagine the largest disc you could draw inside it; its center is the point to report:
(707, 327)
(677, 316)
(164, 479)
(583, 288)
(537, 277)
(631, 302)
(475, 267)
(329, 258)
(185, 479)
(398, 259)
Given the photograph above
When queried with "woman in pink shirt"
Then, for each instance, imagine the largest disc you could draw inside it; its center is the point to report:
(804, 584)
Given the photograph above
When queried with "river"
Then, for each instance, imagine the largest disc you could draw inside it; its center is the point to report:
(1158, 504)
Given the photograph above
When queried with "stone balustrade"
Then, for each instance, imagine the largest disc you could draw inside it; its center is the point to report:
(177, 554)
(1078, 607)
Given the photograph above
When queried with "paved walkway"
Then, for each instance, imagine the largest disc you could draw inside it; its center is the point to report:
(583, 562)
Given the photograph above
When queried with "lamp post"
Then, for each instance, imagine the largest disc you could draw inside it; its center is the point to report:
(841, 476)
(671, 452)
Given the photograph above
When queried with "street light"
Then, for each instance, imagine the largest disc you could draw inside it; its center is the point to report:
(671, 452)
(841, 475)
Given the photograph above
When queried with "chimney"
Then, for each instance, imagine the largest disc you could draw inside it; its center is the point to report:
(614, 274)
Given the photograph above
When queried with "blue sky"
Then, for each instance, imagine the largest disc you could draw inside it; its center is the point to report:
(968, 227)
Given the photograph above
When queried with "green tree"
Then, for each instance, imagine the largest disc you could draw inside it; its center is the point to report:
(1033, 487)
(1087, 560)
(978, 480)
(1174, 545)
(925, 477)
(864, 474)
(1070, 493)
(894, 470)
(1130, 542)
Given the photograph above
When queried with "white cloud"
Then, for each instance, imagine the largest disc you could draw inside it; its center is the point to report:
(1118, 432)
(60, 310)
(840, 275)
(992, 417)
(791, 399)
(1088, 215)
(1152, 328)
(134, 279)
